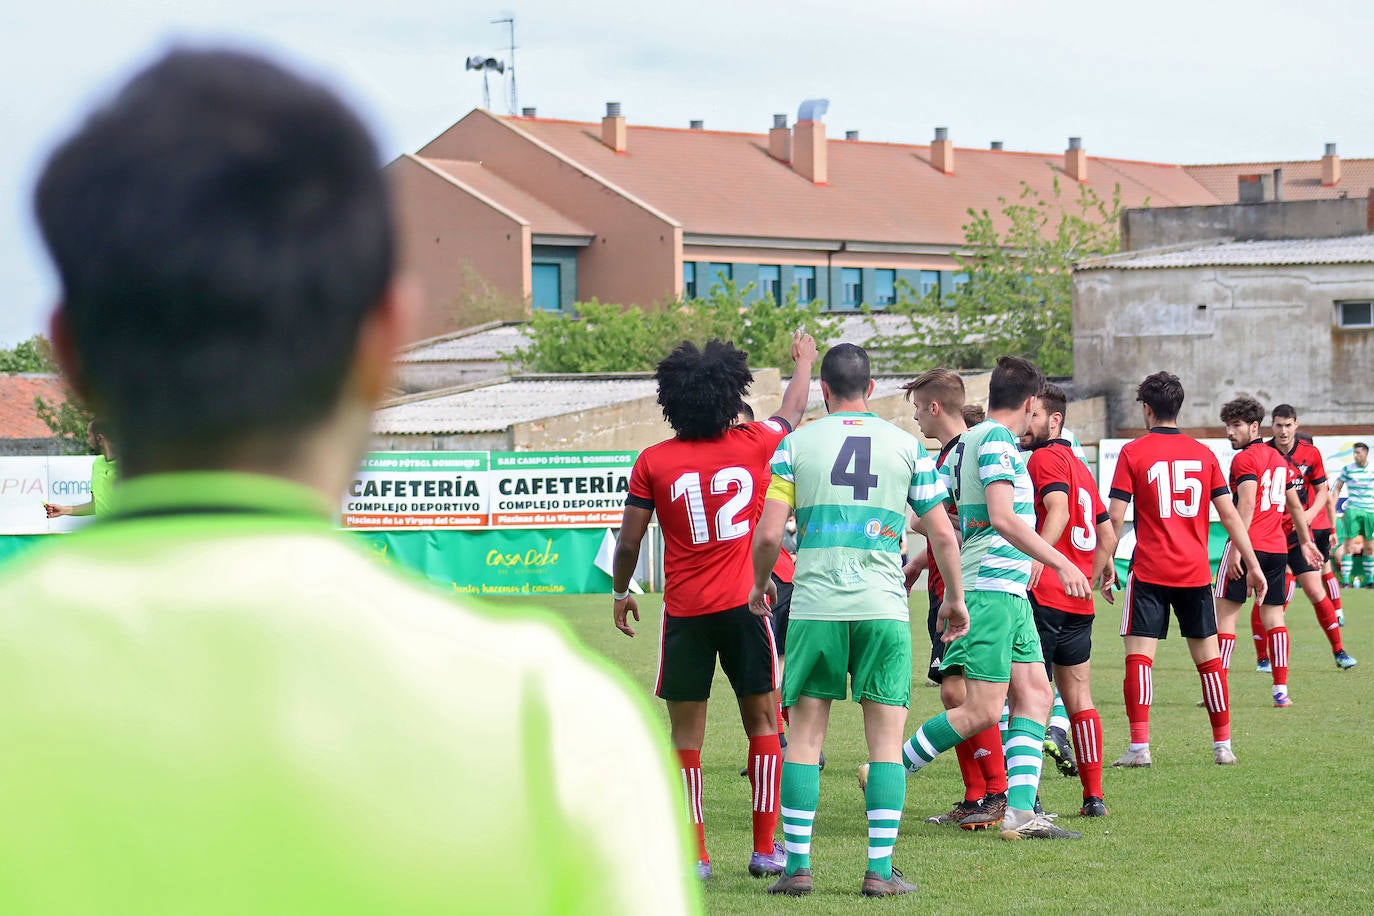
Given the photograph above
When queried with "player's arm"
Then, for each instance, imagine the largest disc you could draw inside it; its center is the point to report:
(793, 406)
(1002, 514)
(632, 528)
(54, 511)
(1104, 557)
(1319, 500)
(1056, 503)
(1246, 490)
(944, 544)
(767, 542)
(1240, 539)
(1116, 512)
(1299, 516)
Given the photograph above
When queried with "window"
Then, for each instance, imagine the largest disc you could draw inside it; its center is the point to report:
(770, 282)
(852, 287)
(546, 281)
(719, 274)
(884, 287)
(805, 280)
(1355, 314)
(960, 281)
(689, 280)
(930, 283)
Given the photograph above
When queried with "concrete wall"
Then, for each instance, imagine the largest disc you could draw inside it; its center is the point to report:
(1268, 332)
(460, 250)
(30, 448)
(431, 376)
(1291, 219)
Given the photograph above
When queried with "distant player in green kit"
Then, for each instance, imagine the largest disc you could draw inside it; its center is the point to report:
(1000, 657)
(850, 477)
(1357, 479)
(104, 472)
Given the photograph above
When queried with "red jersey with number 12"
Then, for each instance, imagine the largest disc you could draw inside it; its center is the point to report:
(1055, 468)
(1172, 478)
(708, 494)
(1268, 469)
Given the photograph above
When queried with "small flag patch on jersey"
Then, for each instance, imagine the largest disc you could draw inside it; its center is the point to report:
(854, 422)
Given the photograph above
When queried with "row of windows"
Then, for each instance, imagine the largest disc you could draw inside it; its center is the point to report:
(699, 278)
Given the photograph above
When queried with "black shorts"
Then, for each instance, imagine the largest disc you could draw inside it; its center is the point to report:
(1145, 610)
(781, 611)
(687, 655)
(1275, 569)
(1065, 638)
(937, 647)
(1297, 562)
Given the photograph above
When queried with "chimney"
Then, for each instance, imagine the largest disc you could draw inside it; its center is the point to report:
(613, 127)
(1076, 160)
(808, 151)
(780, 139)
(1252, 189)
(996, 146)
(1278, 184)
(851, 135)
(1331, 167)
(942, 151)
(697, 125)
(528, 113)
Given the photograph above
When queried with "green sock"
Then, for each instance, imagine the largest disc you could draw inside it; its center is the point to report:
(1347, 567)
(932, 739)
(1025, 757)
(883, 797)
(1059, 716)
(801, 792)
(1357, 568)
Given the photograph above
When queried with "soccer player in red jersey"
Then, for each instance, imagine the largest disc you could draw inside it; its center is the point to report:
(1070, 515)
(1265, 495)
(1318, 581)
(707, 485)
(1172, 477)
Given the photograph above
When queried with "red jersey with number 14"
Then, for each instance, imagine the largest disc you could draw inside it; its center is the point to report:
(1054, 468)
(1172, 478)
(1268, 469)
(708, 494)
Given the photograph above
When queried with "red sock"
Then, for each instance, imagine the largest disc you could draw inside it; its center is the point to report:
(975, 787)
(1290, 588)
(1333, 589)
(1326, 618)
(1227, 641)
(1086, 727)
(992, 759)
(765, 776)
(1140, 693)
(1257, 634)
(1216, 697)
(1278, 654)
(690, 761)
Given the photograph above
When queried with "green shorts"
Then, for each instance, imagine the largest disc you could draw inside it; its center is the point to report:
(1001, 631)
(1359, 523)
(874, 655)
(1340, 530)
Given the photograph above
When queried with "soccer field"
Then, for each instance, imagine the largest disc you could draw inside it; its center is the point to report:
(1289, 829)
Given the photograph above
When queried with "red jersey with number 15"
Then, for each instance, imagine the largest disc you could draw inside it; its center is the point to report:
(1172, 478)
(1054, 468)
(1268, 469)
(708, 494)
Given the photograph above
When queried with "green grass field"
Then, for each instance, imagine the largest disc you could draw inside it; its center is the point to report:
(1290, 829)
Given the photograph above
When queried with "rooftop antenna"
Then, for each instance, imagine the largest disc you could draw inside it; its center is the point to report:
(508, 18)
(486, 65)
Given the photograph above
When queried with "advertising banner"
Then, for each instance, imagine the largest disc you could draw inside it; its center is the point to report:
(559, 489)
(26, 483)
(418, 490)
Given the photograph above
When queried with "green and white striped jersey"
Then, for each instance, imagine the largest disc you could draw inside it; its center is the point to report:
(851, 476)
(987, 453)
(1358, 483)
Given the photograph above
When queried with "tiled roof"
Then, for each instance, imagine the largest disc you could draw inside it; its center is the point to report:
(495, 407)
(18, 419)
(484, 343)
(719, 183)
(542, 218)
(1355, 249)
(1301, 180)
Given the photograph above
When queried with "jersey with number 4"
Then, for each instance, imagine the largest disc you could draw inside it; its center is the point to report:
(708, 494)
(851, 477)
(1270, 472)
(986, 454)
(1056, 468)
(1172, 478)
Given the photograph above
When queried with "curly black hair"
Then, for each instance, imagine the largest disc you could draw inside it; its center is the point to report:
(702, 391)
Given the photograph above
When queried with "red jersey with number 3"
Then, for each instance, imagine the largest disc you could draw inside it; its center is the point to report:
(1054, 468)
(1172, 478)
(708, 494)
(1268, 469)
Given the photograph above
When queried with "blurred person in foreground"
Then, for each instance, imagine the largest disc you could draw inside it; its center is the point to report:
(238, 711)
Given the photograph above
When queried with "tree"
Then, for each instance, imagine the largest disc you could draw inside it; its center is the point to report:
(32, 355)
(601, 337)
(1018, 295)
(66, 420)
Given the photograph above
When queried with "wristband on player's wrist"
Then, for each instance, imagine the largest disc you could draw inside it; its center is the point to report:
(619, 596)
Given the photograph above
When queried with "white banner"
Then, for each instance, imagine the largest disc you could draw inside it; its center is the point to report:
(27, 483)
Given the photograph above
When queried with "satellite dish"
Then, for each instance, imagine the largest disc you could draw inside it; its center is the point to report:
(474, 63)
(813, 109)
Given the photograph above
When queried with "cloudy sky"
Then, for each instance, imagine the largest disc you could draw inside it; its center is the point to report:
(1173, 81)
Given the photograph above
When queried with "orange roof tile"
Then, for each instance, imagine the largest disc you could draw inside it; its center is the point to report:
(1301, 180)
(542, 218)
(18, 418)
(720, 183)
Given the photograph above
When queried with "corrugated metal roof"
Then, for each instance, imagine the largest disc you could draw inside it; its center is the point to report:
(495, 407)
(1355, 249)
(483, 344)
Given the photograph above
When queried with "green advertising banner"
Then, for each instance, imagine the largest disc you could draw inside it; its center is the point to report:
(498, 562)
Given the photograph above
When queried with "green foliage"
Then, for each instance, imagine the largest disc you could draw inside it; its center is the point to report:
(601, 337)
(32, 355)
(1019, 296)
